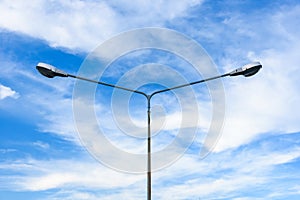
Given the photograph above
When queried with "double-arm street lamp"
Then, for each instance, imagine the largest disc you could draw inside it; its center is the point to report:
(51, 71)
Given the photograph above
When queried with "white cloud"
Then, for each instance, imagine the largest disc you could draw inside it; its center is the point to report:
(65, 174)
(41, 145)
(266, 102)
(253, 167)
(84, 24)
(7, 92)
(5, 151)
(237, 170)
(57, 114)
(50, 101)
(62, 23)
(73, 195)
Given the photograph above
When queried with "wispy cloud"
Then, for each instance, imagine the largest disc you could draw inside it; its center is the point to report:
(41, 145)
(263, 103)
(254, 166)
(44, 175)
(7, 92)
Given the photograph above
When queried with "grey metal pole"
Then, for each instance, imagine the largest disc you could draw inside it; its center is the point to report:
(149, 150)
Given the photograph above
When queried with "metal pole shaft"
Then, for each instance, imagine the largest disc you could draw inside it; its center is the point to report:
(149, 152)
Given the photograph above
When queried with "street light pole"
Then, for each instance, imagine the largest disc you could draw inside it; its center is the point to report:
(51, 71)
(149, 149)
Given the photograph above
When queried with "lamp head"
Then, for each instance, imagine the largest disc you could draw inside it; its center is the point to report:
(50, 71)
(247, 70)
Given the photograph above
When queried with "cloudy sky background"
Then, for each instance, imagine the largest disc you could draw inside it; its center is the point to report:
(257, 155)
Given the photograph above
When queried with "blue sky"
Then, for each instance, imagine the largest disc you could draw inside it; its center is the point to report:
(258, 153)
